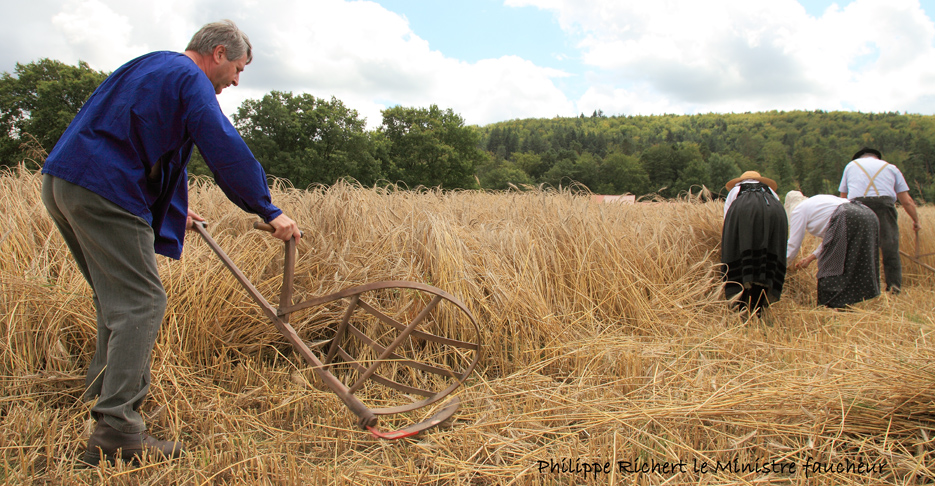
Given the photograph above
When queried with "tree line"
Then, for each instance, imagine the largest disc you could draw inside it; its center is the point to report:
(669, 154)
(310, 140)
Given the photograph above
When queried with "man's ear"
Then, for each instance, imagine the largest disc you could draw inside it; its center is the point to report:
(219, 54)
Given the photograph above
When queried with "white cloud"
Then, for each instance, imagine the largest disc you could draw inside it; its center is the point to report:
(666, 56)
(739, 55)
(357, 51)
(369, 58)
(95, 32)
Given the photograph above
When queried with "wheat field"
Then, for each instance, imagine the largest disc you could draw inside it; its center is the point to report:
(610, 356)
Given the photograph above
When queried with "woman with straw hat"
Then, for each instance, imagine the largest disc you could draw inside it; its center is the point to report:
(848, 258)
(753, 242)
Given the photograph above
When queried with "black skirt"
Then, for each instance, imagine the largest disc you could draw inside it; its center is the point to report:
(849, 263)
(753, 247)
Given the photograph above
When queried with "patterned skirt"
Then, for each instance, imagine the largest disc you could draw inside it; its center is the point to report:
(753, 249)
(848, 266)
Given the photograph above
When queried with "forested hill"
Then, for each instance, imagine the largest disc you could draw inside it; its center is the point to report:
(310, 140)
(669, 154)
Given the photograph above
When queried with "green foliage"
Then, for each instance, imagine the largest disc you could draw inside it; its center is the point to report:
(665, 165)
(503, 174)
(530, 163)
(722, 168)
(197, 164)
(621, 174)
(37, 102)
(563, 168)
(307, 140)
(696, 173)
(777, 165)
(429, 146)
(801, 149)
(503, 142)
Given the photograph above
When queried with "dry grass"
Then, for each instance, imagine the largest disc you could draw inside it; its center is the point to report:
(606, 340)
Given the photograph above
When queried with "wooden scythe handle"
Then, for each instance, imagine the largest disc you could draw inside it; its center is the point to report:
(269, 228)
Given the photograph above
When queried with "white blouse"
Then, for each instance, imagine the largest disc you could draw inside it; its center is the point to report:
(812, 215)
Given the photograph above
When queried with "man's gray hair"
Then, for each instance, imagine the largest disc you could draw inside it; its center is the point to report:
(224, 33)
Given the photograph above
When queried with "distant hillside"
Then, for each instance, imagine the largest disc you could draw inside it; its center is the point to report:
(668, 154)
(310, 141)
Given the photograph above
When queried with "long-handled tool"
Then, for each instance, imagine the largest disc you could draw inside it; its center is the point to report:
(405, 357)
(917, 258)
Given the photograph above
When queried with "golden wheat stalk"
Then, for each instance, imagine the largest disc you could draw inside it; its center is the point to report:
(607, 336)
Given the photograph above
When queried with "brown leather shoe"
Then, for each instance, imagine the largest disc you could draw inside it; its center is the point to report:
(109, 443)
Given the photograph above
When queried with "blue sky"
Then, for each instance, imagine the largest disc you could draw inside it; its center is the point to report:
(817, 7)
(494, 60)
(472, 30)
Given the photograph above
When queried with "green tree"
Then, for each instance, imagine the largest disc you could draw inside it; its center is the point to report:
(38, 101)
(722, 169)
(697, 173)
(503, 142)
(535, 143)
(659, 162)
(587, 170)
(564, 170)
(691, 166)
(502, 175)
(807, 148)
(664, 165)
(778, 166)
(307, 140)
(624, 174)
(918, 168)
(531, 163)
(803, 162)
(429, 146)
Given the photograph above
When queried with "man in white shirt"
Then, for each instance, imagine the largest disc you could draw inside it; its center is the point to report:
(878, 185)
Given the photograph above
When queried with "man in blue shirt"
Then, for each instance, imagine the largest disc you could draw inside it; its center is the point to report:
(117, 188)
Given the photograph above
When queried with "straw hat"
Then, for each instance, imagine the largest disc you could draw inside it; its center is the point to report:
(752, 174)
(793, 199)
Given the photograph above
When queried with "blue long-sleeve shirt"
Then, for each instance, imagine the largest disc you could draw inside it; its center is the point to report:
(133, 138)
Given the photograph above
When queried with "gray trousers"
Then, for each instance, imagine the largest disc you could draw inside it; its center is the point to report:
(885, 209)
(114, 250)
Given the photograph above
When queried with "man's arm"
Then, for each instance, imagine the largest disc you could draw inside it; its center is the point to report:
(910, 206)
(239, 175)
(843, 195)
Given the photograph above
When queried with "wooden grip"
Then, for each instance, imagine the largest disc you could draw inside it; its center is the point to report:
(263, 226)
(269, 228)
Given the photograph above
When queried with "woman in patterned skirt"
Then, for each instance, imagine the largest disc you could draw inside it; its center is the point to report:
(753, 242)
(848, 256)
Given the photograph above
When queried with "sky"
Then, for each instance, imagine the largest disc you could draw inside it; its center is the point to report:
(496, 60)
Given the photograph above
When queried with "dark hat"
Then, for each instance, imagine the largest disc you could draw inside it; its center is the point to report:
(866, 150)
